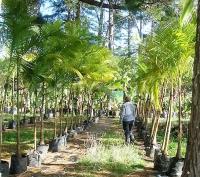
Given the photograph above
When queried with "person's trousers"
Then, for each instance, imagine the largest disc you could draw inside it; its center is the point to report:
(128, 126)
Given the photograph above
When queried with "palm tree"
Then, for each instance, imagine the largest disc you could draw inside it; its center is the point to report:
(19, 40)
(168, 53)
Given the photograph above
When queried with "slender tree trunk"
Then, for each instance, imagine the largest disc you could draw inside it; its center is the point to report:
(13, 90)
(111, 27)
(100, 30)
(124, 90)
(1, 126)
(88, 107)
(31, 102)
(35, 120)
(24, 106)
(81, 104)
(178, 154)
(139, 107)
(192, 160)
(147, 108)
(154, 137)
(78, 10)
(61, 110)
(153, 122)
(91, 108)
(1, 120)
(67, 117)
(18, 113)
(72, 109)
(69, 101)
(55, 108)
(42, 116)
(129, 35)
(141, 26)
(168, 126)
(143, 112)
(156, 120)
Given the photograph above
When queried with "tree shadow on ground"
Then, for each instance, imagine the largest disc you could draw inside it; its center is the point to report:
(111, 169)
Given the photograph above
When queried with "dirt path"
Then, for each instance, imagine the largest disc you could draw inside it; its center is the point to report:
(64, 163)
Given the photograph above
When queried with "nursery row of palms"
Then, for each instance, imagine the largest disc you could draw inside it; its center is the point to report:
(163, 73)
(51, 65)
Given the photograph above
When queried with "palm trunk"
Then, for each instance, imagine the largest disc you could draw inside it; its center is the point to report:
(42, 116)
(81, 104)
(13, 90)
(61, 110)
(72, 106)
(168, 125)
(178, 154)
(139, 108)
(24, 106)
(30, 102)
(146, 114)
(156, 121)
(18, 113)
(35, 120)
(55, 107)
(1, 120)
(154, 136)
(153, 122)
(67, 117)
(88, 107)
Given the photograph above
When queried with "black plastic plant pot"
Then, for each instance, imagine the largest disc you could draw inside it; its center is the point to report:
(176, 167)
(4, 168)
(34, 159)
(24, 122)
(18, 164)
(147, 140)
(31, 121)
(144, 134)
(161, 162)
(52, 144)
(59, 144)
(12, 124)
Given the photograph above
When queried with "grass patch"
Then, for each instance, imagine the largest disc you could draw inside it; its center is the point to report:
(121, 154)
(26, 135)
(111, 155)
(112, 138)
(118, 160)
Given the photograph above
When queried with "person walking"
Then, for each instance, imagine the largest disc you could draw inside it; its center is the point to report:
(127, 117)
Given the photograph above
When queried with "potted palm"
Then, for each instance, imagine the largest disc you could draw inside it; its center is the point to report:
(18, 34)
